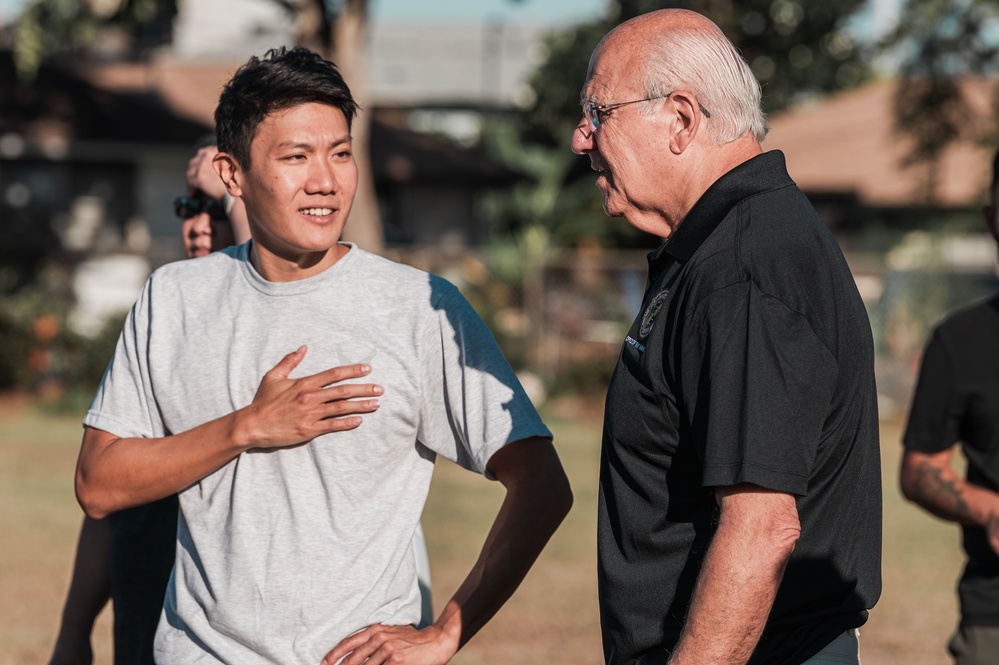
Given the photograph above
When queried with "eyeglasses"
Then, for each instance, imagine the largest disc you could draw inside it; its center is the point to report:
(594, 112)
(186, 207)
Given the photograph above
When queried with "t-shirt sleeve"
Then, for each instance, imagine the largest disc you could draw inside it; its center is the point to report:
(124, 404)
(760, 392)
(472, 402)
(935, 418)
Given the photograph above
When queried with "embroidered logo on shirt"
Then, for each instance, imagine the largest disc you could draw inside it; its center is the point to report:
(651, 312)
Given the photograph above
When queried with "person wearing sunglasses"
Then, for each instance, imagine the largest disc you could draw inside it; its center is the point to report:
(210, 219)
(740, 485)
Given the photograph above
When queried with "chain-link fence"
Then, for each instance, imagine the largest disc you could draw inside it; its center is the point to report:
(564, 316)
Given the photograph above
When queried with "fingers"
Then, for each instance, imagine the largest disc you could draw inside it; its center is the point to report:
(287, 364)
(337, 374)
(368, 645)
(194, 168)
(288, 411)
(201, 175)
(992, 533)
(342, 414)
(349, 391)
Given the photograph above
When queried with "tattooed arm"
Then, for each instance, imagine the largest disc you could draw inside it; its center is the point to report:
(928, 480)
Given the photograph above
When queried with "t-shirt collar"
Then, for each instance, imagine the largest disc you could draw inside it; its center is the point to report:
(294, 287)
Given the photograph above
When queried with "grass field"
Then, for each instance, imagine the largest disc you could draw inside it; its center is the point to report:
(553, 617)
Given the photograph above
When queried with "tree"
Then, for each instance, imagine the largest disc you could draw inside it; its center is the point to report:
(337, 29)
(798, 49)
(49, 27)
(941, 41)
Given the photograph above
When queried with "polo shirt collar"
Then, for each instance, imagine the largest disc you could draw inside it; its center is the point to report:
(763, 172)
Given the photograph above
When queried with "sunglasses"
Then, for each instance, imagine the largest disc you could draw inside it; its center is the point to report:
(186, 207)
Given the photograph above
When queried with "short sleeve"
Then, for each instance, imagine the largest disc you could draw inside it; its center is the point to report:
(934, 419)
(758, 382)
(472, 402)
(124, 404)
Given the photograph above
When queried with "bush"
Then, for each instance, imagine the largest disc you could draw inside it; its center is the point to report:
(44, 356)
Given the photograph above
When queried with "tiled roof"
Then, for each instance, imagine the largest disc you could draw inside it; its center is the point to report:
(61, 105)
(847, 143)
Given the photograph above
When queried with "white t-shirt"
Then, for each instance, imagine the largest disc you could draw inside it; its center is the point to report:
(283, 553)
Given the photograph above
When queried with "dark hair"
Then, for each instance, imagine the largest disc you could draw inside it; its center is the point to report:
(282, 79)
(995, 174)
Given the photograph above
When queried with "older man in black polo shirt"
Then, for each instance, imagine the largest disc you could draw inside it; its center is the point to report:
(740, 500)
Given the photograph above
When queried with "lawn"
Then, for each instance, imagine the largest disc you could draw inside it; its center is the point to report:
(552, 618)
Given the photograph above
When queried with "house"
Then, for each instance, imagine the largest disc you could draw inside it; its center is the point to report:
(846, 148)
(92, 156)
(86, 174)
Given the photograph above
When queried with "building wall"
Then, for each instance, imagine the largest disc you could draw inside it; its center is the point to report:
(409, 64)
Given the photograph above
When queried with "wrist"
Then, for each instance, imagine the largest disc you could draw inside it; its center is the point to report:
(241, 430)
(449, 625)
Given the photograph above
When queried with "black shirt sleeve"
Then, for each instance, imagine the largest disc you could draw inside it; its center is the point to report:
(761, 399)
(935, 418)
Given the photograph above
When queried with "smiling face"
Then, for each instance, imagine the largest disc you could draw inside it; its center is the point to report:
(298, 190)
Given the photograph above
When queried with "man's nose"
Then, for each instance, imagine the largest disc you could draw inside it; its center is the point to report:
(582, 137)
(322, 179)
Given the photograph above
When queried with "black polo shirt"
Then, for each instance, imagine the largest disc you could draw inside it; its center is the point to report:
(751, 361)
(957, 400)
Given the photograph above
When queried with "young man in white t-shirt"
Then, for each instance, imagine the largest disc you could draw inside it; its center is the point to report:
(294, 546)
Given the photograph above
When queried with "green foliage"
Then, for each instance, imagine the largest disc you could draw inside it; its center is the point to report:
(797, 48)
(52, 27)
(941, 40)
(47, 26)
(42, 354)
(557, 82)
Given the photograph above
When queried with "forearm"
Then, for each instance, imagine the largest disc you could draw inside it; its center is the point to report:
(499, 570)
(538, 498)
(90, 586)
(929, 481)
(526, 521)
(115, 473)
(735, 590)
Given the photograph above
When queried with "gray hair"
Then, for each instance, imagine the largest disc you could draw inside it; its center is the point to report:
(707, 64)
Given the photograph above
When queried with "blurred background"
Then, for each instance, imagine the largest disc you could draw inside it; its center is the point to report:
(885, 109)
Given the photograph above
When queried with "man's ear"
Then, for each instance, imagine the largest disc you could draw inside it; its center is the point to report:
(687, 113)
(230, 171)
